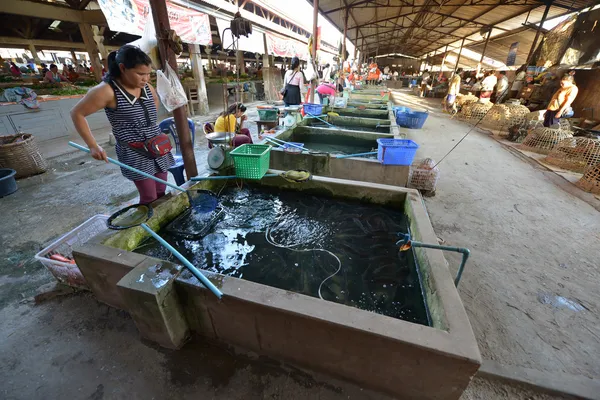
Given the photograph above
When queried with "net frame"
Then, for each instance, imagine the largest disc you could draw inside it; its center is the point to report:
(544, 140)
(423, 175)
(575, 154)
(590, 181)
(496, 118)
(517, 117)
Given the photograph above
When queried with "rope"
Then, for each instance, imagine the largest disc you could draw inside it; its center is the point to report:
(271, 241)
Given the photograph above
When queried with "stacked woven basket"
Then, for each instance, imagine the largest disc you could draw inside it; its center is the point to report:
(21, 153)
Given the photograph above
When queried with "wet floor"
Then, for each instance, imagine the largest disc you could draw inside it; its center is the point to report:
(340, 251)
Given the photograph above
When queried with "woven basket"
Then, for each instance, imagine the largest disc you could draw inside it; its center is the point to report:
(544, 140)
(590, 181)
(575, 154)
(23, 156)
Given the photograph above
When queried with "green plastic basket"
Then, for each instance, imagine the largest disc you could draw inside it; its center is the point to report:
(251, 160)
(267, 115)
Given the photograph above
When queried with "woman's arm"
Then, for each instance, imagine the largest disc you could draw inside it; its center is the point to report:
(155, 95)
(96, 99)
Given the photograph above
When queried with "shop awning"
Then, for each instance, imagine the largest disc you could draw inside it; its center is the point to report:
(131, 17)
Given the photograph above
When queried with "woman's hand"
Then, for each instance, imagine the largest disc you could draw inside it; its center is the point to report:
(243, 118)
(98, 153)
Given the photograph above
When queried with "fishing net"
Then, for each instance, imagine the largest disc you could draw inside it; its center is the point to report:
(130, 216)
(194, 225)
(575, 154)
(423, 175)
(544, 140)
(590, 181)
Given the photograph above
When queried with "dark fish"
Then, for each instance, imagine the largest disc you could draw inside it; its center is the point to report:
(360, 225)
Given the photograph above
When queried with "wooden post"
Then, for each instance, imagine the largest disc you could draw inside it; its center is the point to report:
(74, 57)
(537, 33)
(444, 59)
(92, 49)
(314, 46)
(239, 61)
(208, 51)
(356, 47)
(266, 59)
(99, 39)
(344, 39)
(167, 56)
(459, 53)
(34, 54)
(198, 72)
(483, 52)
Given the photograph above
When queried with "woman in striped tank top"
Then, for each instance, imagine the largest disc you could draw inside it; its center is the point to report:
(131, 104)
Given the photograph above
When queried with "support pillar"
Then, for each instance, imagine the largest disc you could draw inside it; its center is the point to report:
(92, 49)
(199, 81)
(459, 53)
(537, 33)
(208, 51)
(314, 46)
(34, 54)
(239, 61)
(162, 25)
(483, 52)
(266, 58)
(99, 39)
(74, 57)
(344, 39)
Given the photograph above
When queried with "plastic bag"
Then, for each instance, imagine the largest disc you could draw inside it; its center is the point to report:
(148, 42)
(310, 71)
(170, 90)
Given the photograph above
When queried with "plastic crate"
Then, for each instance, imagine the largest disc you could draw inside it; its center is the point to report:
(314, 109)
(412, 119)
(66, 273)
(401, 109)
(396, 151)
(267, 115)
(251, 161)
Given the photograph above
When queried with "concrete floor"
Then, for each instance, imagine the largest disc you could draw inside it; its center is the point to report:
(528, 238)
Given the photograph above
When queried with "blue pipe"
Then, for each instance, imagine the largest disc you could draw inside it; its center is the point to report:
(322, 120)
(357, 154)
(464, 251)
(283, 142)
(137, 171)
(219, 177)
(195, 271)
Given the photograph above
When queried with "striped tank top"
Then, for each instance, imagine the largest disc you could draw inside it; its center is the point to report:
(134, 120)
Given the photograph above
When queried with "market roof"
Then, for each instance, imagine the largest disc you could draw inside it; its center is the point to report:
(418, 27)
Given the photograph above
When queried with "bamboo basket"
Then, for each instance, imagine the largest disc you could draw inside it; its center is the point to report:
(21, 153)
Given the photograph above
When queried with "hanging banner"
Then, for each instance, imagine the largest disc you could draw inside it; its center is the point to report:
(281, 47)
(512, 54)
(130, 17)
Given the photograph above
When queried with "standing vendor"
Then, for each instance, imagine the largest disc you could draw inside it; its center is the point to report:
(293, 82)
(131, 104)
(560, 104)
(453, 91)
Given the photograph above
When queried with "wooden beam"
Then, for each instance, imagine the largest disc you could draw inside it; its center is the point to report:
(51, 11)
(15, 42)
(92, 49)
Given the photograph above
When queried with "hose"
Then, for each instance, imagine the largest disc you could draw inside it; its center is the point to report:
(271, 241)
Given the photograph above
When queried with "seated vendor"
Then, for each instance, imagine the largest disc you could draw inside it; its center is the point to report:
(227, 122)
(53, 76)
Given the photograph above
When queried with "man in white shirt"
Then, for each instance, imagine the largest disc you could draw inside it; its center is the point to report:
(501, 87)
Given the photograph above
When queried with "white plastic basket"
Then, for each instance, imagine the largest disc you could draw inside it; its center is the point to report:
(66, 273)
(340, 102)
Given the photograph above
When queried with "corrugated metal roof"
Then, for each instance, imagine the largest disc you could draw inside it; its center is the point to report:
(417, 27)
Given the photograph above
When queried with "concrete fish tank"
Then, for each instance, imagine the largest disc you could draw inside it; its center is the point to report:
(366, 113)
(352, 123)
(310, 274)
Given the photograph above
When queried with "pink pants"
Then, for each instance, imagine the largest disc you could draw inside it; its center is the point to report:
(151, 190)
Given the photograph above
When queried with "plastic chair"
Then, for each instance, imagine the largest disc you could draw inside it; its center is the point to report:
(167, 127)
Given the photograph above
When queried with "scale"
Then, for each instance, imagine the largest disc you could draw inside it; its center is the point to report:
(292, 116)
(218, 157)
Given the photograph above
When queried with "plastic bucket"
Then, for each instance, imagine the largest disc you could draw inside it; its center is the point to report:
(8, 184)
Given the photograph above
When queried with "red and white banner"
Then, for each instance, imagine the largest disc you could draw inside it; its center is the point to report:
(130, 17)
(282, 47)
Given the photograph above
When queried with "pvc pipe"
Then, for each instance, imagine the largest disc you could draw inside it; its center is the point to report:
(357, 154)
(137, 171)
(288, 143)
(219, 177)
(465, 252)
(195, 271)
(322, 120)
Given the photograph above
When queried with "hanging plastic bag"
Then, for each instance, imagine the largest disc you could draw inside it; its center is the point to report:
(148, 42)
(170, 90)
(309, 72)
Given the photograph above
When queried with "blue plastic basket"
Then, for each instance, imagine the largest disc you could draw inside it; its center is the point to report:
(413, 82)
(399, 109)
(314, 109)
(396, 151)
(412, 119)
